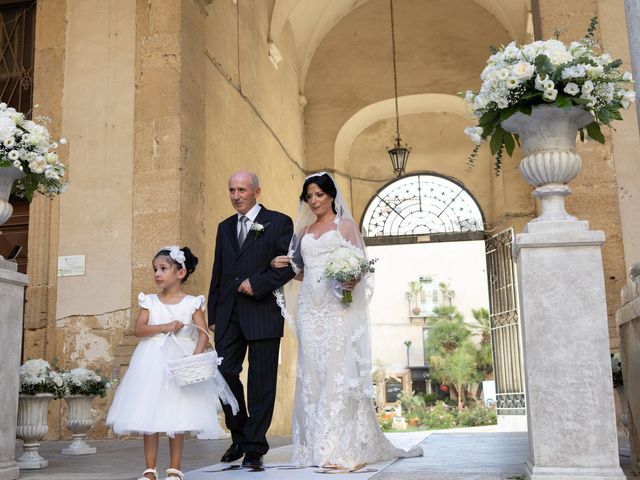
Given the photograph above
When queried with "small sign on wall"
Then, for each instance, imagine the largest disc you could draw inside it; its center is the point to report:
(71, 266)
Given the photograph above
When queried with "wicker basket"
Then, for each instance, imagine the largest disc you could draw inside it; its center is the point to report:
(194, 368)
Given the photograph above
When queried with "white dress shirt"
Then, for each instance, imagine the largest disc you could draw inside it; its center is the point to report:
(251, 218)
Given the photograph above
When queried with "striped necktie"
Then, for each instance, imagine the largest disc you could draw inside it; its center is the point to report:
(243, 230)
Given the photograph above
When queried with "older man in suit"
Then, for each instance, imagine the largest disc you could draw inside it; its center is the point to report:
(244, 314)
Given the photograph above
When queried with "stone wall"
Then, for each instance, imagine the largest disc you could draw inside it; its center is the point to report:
(254, 122)
(604, 191)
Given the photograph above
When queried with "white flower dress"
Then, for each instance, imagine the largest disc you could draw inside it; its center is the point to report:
(332, 424)
(148, 400)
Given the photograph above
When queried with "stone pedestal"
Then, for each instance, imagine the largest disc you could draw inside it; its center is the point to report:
(12, 286)
(628, 322)
(570, 407)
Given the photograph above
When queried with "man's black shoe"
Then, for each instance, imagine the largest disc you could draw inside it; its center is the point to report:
(233, 453)
(252, 460)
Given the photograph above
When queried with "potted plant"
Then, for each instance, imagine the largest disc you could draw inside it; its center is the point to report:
(543, 93)
(81, 387)
(39, 384)
(415, 288)
(28, 162)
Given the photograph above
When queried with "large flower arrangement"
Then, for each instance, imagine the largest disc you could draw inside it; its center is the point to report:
(81, 381)
(27, 146)
(37, 376)
(518, 78)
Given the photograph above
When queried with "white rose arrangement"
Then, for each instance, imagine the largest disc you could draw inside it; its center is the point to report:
(27, 146)
(37, 376)
(549, 72)
(346, 264)
(81, 381)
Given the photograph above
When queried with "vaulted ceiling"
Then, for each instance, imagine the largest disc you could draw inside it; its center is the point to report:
(311, 20)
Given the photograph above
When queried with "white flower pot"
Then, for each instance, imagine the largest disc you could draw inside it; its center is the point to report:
(32, 427)
(79, 421)
(8, 175)
(548, 138)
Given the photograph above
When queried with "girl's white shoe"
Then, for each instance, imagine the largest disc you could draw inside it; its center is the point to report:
(173, 473)
(152, 471)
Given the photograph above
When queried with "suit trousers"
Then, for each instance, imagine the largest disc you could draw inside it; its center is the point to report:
(249, 426)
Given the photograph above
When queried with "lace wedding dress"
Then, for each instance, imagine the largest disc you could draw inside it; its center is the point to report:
(333, 423)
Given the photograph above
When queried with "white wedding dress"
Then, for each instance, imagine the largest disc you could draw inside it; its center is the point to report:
(333, 424)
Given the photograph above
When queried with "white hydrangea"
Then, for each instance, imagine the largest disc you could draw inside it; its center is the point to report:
(475, 134)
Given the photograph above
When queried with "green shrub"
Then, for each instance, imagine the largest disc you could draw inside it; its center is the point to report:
(385, 423)
(412, 405)
(429, 399)
(439, 417)
(474, 417)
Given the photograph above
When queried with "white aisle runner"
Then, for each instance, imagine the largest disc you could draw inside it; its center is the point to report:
(278, 459)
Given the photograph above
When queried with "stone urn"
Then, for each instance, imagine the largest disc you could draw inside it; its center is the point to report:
(32, 427)
(79, 421)
(550, 160)
(8, 175)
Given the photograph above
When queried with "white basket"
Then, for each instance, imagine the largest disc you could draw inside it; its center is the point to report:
(194, 368)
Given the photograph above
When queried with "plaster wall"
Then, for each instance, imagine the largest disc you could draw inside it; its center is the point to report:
(95, 211)
(460, 264)
(352, 66)
(253, 122)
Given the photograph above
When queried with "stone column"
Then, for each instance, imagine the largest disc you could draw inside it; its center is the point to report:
(572, 424)
(628, 321)
(12, 286)
(632, 11)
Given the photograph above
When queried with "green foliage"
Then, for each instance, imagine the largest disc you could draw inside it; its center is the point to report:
(479, 415)
(448, 331)
(412, 405)
(430, 399)
(438, 417)
(385, 423)
(484, 355)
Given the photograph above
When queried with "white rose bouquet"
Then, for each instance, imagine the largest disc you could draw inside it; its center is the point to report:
(37, 376)
(81, 381)
(27, 146)
(346, 264)
(519, 77)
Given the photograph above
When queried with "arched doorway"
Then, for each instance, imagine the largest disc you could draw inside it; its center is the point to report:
(430, 234)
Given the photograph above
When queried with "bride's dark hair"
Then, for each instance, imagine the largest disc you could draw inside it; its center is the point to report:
(324, 183)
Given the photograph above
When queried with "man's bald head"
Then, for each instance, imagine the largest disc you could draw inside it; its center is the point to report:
(244, 189)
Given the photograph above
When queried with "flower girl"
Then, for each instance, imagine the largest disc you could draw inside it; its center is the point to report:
(148, 400)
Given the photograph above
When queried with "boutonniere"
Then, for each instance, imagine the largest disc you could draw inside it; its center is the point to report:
(258, 228)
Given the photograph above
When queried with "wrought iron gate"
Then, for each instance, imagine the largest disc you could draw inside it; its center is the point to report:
(506, 337)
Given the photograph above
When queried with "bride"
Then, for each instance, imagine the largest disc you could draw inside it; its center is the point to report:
(334, 421)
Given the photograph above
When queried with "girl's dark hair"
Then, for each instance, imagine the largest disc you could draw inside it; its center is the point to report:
(324, 183)
(190, 260)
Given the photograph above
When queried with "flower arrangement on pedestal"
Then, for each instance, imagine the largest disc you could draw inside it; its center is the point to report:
(37, 376)
(81, 381)
(81, 387)
(518, 78)
(27, 146)
(39, 384)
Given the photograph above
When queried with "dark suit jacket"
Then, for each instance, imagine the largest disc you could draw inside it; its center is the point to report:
(259, 315)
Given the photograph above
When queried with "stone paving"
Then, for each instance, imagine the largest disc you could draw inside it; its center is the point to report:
(464, 454)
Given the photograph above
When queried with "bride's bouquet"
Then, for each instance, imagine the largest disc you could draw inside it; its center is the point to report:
(346, 264)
